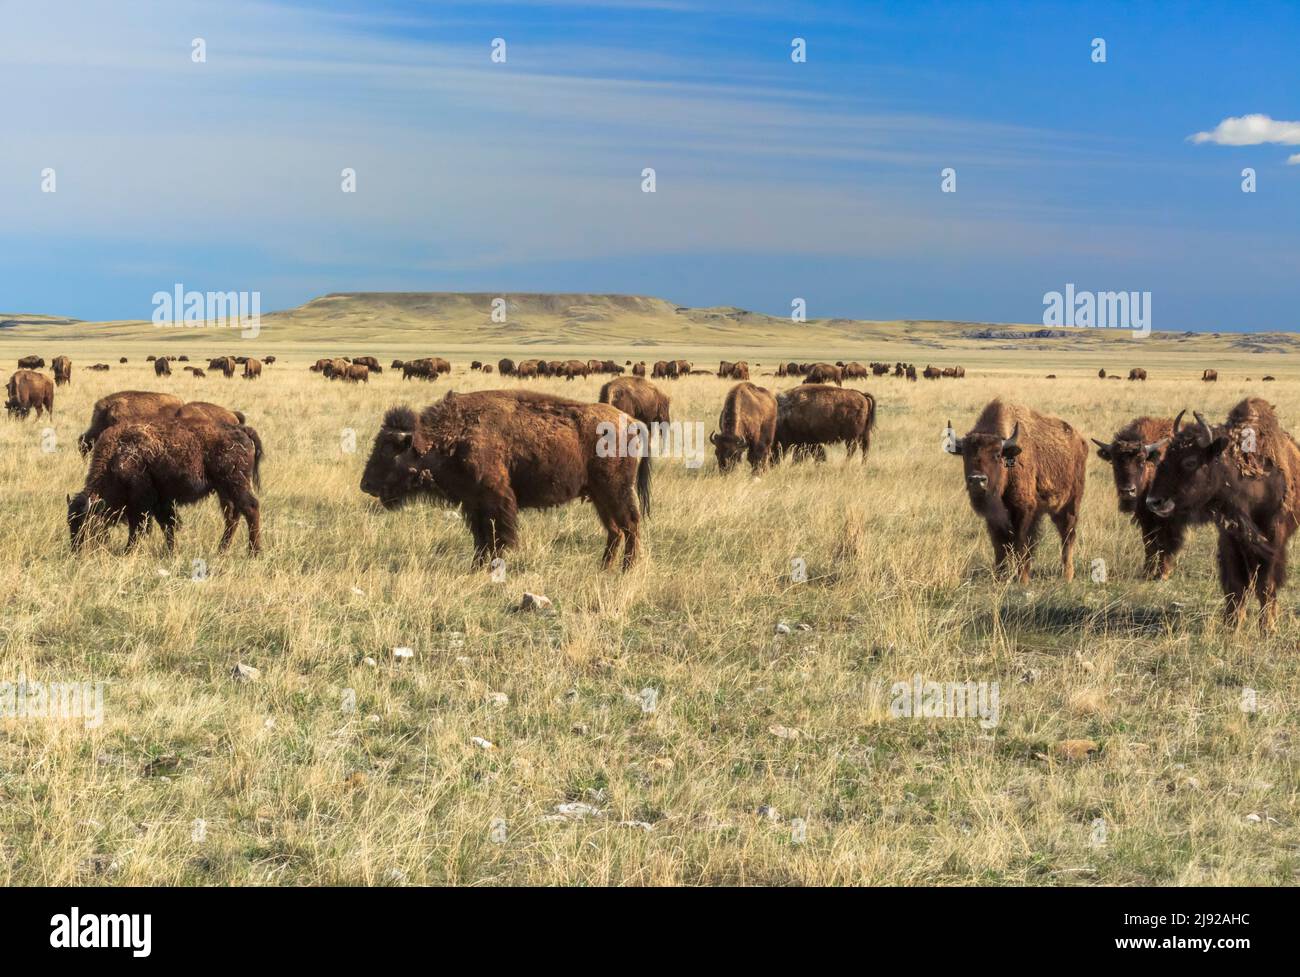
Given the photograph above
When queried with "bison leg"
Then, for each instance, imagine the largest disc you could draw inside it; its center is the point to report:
(135, 522)
(1066, 521)
(758, 455)
(165, 513)
(231, 515)
(1003, 549)
(1234, 578)
(622, 521)
(251, 510)
(495, 526)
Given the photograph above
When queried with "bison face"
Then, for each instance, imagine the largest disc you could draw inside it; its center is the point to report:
(985, 459)
(80, 508)
(1185, 479)
(728, 448)
(390, 474)
(1133, 464)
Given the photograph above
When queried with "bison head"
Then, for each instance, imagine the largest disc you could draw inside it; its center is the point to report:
(1134, 466)
(1185, 478)
(82, 508)
(728, 448)
(391, 474)
(985, 459)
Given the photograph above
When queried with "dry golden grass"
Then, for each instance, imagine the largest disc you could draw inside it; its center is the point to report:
(294, 788)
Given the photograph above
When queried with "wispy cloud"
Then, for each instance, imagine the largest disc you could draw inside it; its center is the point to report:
(1251, 130)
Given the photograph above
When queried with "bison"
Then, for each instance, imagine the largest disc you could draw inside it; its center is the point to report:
(506, 367)
(146, 469)
(252, 369)
(1021, 465)
(31, 363)
(161, 367)
(746, 425)
(825, 373)
(811, 416)
(642, 400)
(1137, 373)
(424, 369)
(1134, 455)
(494, 452)
(28, 389)
(141, 405)
(1245, 475)
(62, 367)
(369, 362)
(1209, 376)
(639, 369)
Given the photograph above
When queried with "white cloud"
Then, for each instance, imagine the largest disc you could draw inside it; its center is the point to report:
(1251, 130)
(1293, 160)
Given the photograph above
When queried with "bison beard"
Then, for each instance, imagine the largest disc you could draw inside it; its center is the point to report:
(493, 452)
(144, 470)
(1020, 466)
(1253, 496)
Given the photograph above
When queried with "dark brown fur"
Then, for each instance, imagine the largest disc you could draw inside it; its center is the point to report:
(28, 389)
(746, 425)
(813, 415)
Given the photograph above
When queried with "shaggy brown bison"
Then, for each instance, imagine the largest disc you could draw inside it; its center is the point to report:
(62, 367)
(142, 405)
(1245, 475)
(495, 452)
(746, 425)
(811, 416)
(931, 372)
(1137, 373)
(642, 400)
(145, 469)
(28, 389)
(423, 369)
(824, 373)
(355, 373)
(570, 369)
(638, 370)
(122, 360)
(506, 367)
(252, 369)
(1133, 455)
(1021, 465)
(161, 367)
(226, 364)
(1210, 376)
(369, 362)
(31, 363)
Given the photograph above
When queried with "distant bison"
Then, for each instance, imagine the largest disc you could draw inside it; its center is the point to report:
(146, 469)
(28, 389)
(824, 373)
(1137, 373)
(252, 369)
(62, 367)
(1021, 465)
(494, 452)
(31, 363)
(161, 367)
(506, 367)
(747, 425)
(369, 362)
(1210, 376)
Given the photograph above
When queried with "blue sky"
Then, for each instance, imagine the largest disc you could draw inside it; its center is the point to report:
(775, 180)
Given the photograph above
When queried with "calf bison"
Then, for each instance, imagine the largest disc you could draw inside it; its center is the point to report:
(145, 469)
(28, 389)
(747, 425)
(642, 400)
(811, 416)
(1245, 475)
(1133, 456)
(62, 367)
(1021, 465)
(495, 452)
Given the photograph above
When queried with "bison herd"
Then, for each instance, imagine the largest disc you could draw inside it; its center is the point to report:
(495, 452)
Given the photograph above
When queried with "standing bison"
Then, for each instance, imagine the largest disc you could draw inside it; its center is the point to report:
(825, 373)
(809, 417)
(252, 368)
(642, 400)
(1137, 373)
(747, 425)
(28, 389)
(494, 452)
(143, 470)
(1021, 465)
(1209, 376)
(1133, 456)
(62, 367)
(161, 367)
(1245, 475)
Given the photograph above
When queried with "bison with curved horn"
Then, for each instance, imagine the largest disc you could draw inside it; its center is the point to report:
(747, 426)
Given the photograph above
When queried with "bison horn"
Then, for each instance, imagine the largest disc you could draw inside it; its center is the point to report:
(713, 437)
(1178, 419)
(1013, 441)
(1209, 434)
(1152, 449)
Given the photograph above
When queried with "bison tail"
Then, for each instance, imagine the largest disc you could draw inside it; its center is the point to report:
(871, 412)
(257, 455)
(643, 483)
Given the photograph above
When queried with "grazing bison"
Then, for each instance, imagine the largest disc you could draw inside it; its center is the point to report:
(226, 364)
(28, 389)
(355, 373)
(122, 360)
(825, 373)
(252, 369)
(911, 372)
(1021, 465)
(98, 366)
(62, 367)
(197, 373)
(1134, 455)
(639, 369)
(1137, 373)
(1101, 374)
(268, 360)
(932, 372)
(142, 405)
(570, 369)
(746, 425)
(506, 367)
(495, 452)
(811, 416)
(1209, 376)
(369, 362)
(31, 363)
(528, 368)
(487, 367)
(145, 469)
(642, 400)
(1245, 475)
(161, 367)
(424, 369)
(1269, 379)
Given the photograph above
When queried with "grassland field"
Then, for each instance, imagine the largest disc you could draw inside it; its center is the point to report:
(329, 769)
